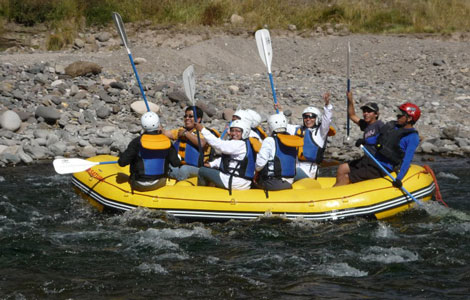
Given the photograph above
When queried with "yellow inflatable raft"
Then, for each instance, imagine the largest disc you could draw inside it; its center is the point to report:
(107, 187)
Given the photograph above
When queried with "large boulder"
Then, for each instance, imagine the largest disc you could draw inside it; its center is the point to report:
(82, 68)
(49, 114)
(140, 107)
(10, 120)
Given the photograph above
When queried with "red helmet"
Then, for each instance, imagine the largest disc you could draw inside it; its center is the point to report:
(411, 110)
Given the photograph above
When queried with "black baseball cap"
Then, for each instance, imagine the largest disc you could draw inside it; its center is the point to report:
(372, 106)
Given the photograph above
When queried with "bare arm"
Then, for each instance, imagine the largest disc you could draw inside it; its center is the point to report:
(351, 111)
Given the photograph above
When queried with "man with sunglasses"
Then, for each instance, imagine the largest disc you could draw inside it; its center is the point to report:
(370, 125)
(186, 143)
(395, 148)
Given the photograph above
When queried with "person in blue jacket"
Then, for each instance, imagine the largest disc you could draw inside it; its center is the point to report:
(395, 148)
(149, 156)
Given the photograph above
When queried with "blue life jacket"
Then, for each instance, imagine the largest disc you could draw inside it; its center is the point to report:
(188, 152)
(153, 151)
(284, 162)
(310, 151)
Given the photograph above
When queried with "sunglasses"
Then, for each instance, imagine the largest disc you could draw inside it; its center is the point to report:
(310, 116)
(188, 116)
(401, 113)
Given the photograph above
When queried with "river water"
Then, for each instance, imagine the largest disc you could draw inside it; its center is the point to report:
(55, 245)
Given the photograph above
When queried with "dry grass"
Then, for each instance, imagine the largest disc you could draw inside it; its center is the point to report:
(376, 16)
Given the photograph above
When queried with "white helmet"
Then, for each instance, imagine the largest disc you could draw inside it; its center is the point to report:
(243, 125)
(243, 115)
(255, 118)
(150, 121)
(313, 110)
(277, 122)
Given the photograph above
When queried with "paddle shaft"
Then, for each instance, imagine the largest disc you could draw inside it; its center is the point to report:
(200, 161)
(138, 79)
(122, 33)
(225, 130)
(388, 173)
(348, 89)
(108, 162)
(347, 109)
(273, 90)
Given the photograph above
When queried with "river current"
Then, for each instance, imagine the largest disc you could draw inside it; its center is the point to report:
(55, 245)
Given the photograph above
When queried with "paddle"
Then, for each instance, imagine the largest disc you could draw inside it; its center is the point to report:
(122, 33)
(348, 88)
(189, 82)
(225, 130)
(74, 165)
(263, 42)
(388, 173)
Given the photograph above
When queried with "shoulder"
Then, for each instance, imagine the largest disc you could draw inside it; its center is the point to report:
(362, 124)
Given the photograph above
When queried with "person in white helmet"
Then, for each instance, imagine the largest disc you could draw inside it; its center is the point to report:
(276, 160)
(256, 129)
(314, 131)
(149, 156)
(236, 166)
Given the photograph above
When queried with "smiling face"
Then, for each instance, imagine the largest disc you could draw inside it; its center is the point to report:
(236, 133)
(309, 119)
(189, 120)
(369, 115)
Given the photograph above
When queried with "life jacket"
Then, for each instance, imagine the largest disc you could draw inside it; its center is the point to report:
(259, 130)
(189, 152)
(311, 151)
(284, 162)
(153, 151)
(388, 142)
(244, 168)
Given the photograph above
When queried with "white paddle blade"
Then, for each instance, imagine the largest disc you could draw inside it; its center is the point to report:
(263, 42)
(72, 165)
(189, 82)
(120, 27)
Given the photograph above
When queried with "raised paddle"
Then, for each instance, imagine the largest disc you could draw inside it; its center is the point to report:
(122, 33)
(388, 173)
(348, 89)
(189, 82)
(263, 42)
(74, 165)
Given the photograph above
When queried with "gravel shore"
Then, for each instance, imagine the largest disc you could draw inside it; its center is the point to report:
(48, 109)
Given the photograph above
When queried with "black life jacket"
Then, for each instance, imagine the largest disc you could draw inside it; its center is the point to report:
(388, 142)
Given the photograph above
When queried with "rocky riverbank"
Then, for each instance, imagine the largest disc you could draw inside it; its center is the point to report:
(50, 107)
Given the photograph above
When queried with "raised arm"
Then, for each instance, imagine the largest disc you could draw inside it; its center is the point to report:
(351, 111)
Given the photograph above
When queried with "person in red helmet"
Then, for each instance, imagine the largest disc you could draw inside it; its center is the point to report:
(396, 145)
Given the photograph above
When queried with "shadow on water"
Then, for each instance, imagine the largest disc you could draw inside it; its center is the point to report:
(56, 245)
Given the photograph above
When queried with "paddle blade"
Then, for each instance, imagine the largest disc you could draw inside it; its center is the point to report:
(72, 165)
(120, 27)
(189, 82)
(263, 42)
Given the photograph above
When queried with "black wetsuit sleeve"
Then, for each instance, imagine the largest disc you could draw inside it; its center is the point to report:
(173, 157)
(130, 153)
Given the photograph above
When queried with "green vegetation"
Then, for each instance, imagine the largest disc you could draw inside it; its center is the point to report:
(66, 17)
